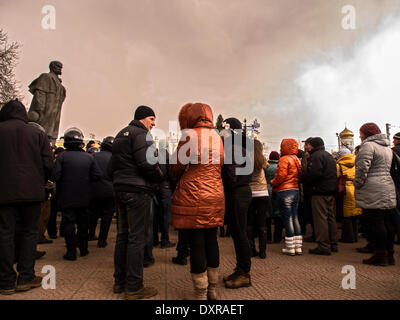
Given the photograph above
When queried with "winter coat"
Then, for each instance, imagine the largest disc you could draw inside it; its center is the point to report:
(347, 162)
(288, 172)
(273, 209)
(374, 186)
(74, 171)
(320, 177)
(26, 159)
(198, 201)
(129, 167)
(258, 180)
(102, 188)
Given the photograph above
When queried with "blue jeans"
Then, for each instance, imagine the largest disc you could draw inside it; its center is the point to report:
(288, 205)
(165, 213)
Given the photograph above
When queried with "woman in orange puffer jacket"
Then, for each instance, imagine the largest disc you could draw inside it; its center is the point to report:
(285, 184)
(198, 203)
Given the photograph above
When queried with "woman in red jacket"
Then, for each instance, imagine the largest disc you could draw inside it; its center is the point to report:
(285, 184)
(198, 203)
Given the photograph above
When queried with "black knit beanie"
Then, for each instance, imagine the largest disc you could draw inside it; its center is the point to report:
(234, 123)
(144, 112)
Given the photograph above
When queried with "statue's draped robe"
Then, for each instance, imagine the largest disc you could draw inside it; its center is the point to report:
(48, 97)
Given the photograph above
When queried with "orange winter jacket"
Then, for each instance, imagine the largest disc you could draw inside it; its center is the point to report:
(289, 169)
(198, 201)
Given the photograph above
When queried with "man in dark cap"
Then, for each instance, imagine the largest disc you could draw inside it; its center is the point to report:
(134, 179)
(24, 172)
(321, 176)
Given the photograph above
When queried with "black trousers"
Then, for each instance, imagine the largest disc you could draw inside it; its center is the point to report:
(237, 205)
(183, 246)
(104, 209)
(257, 214)
(18, 222)
(204, 251)
(350, 229)
(80, 218)
(381, 224)
(52, 224)
(133, 225)
(278, 228)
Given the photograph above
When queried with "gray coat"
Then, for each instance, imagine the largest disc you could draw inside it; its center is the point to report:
(374, 187)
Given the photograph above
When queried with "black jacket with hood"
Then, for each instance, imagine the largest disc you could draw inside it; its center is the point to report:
(26, 159)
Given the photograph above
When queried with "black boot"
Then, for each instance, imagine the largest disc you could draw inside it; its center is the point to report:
(367, 249)
(180, 259)
(254, 252)
(390, 256)
(262, 238)
(228, 231)
(379, 258)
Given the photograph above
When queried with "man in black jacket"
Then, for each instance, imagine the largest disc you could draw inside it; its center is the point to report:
(102, 203)
(133, 178)
(321, 176)
(25, 166)
(74, 170)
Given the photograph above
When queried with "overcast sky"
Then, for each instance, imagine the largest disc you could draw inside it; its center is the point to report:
(288, 63)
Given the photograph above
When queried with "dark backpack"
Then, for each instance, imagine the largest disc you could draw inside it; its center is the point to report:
(395, 170)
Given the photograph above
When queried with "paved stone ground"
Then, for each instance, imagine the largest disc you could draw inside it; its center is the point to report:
(279, 277)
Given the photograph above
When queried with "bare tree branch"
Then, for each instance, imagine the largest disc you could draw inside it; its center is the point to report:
(9, 56)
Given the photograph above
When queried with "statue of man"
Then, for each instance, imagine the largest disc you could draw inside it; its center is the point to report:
(48, 97)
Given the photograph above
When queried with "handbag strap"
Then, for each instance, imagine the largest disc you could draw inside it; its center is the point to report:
(341, 170)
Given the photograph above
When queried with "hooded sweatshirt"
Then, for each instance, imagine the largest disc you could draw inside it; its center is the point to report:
(26, 160)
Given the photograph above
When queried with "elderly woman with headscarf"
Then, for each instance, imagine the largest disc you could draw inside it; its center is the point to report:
(375, 191)
(346, 167)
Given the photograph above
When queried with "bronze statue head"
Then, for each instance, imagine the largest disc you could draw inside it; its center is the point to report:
(55, 67)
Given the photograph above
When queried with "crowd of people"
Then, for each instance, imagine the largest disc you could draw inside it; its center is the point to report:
(276, 200)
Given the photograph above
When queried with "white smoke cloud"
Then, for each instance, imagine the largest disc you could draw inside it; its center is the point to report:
(351, 87)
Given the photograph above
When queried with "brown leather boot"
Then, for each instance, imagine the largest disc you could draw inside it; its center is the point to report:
(231, 276)
(380, 258)
(238, 280)
(34, 283)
